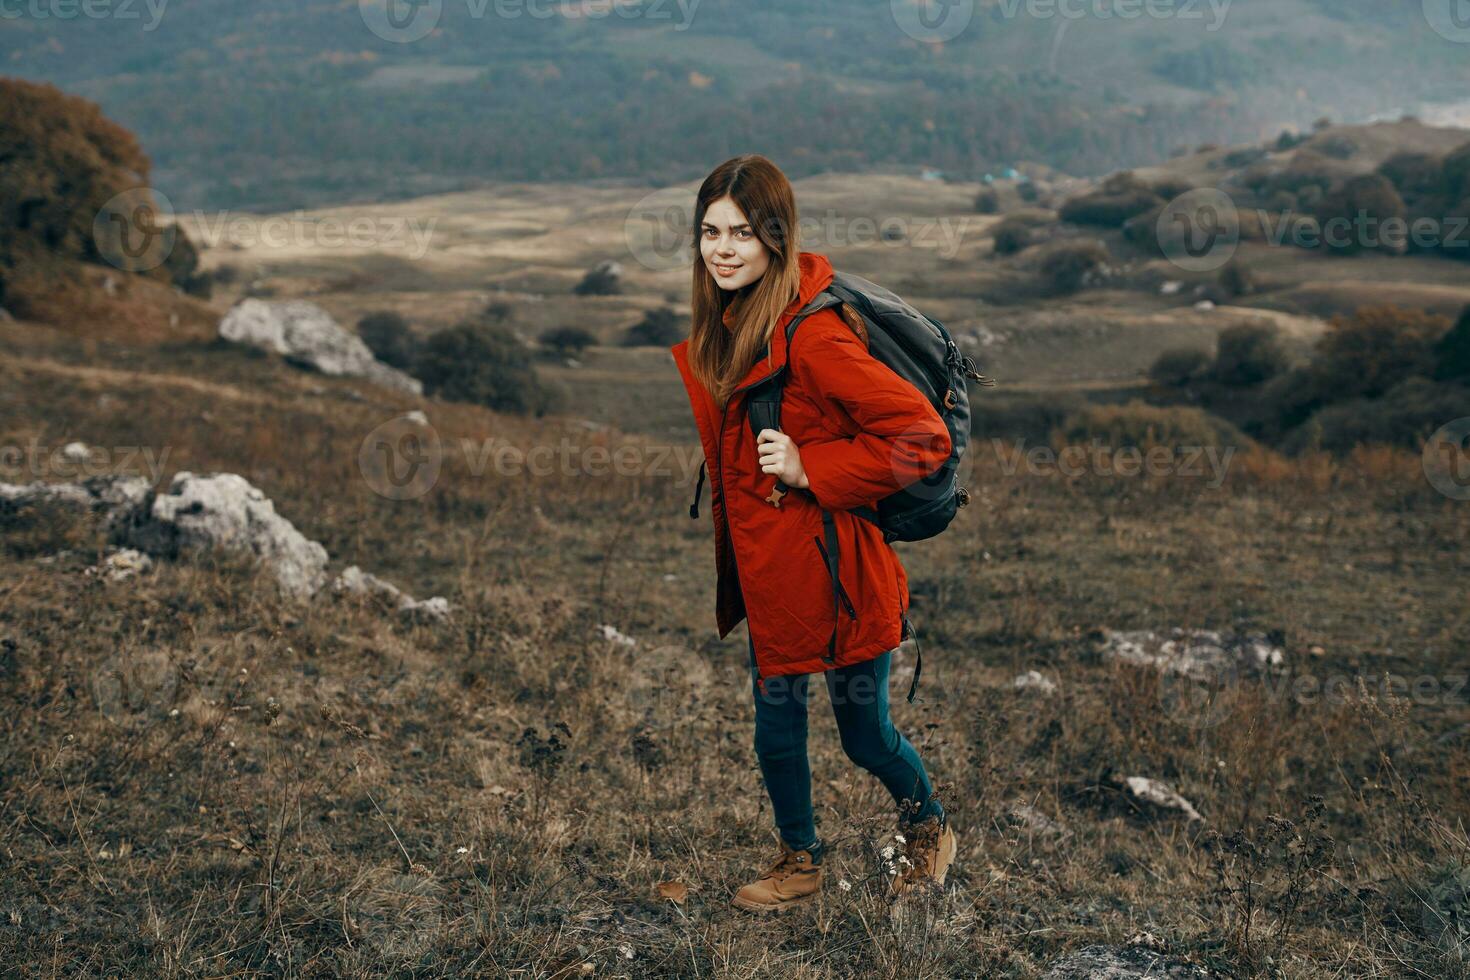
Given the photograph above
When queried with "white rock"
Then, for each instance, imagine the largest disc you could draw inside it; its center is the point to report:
(121, 565)
(224, 510)
(1197, 654)
(1161, 795)
(1204, 306)
(354, 581)
(120, 498)
(614, 635)
(1034, 681)
(1026, 817)
(417, 417)
(305, 334)
(1170, 288)
(76, 452)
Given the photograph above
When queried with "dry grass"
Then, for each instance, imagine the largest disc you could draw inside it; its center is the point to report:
(200, 780)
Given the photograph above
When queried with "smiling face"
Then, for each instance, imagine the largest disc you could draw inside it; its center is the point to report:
(732, 252)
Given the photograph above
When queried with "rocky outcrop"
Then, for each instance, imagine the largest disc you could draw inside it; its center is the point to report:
(224, 510)
(306, 335)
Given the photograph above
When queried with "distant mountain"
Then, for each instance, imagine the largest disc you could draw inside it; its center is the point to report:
(276, 104)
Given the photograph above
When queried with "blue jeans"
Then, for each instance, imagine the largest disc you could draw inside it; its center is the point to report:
(859, 696)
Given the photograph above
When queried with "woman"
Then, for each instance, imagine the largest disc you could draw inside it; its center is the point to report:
(851, 432)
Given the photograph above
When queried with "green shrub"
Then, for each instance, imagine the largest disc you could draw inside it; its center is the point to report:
(1138, 424)
(1021, 416)
(603, 280)
(1123, 196)
(1179, 365)
(987, 201)
(1011, 236)
(1026, 191)
(1452, 351)
(1377, 347)
(1247, 354)
(1236, 278)
(481, 363)
(1414, 175)
(662, 327)
(568, 341)
(1069, 266)
(1405, 415)
(389, 337)
(1456, 174)
(1369, 196)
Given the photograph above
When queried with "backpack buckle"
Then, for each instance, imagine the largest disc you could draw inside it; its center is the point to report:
(962, 496)
(949, 399)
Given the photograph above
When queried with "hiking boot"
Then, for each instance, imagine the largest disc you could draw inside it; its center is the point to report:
(794, 878)
(930, 847)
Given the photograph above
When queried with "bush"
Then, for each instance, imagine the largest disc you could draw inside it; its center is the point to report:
(1452, 351)
(1069, 266)
(1370, 196)
(1247, 354)
(1179, 365)
(1377, 347)
(987, 201)
(603, 280)
(662, 327)
(568, 341)
(1011, 236)
(1138, 424)
(1289, 140)
(1405, 415)
(389, 338)
(61, 160)
(1414, 175)
(182, 266)
(1171, 187)
(481, 363)
(1023, 416)
(1456, 174)
(1121, 197)
(1337, 146)
(1026, 191)
(1237, 279)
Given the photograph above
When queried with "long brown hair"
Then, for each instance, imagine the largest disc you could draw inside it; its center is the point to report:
(719, 356)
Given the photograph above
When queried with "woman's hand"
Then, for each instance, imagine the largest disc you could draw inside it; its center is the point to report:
(779, 455)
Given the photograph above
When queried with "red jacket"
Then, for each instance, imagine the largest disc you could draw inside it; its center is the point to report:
(862, 432)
